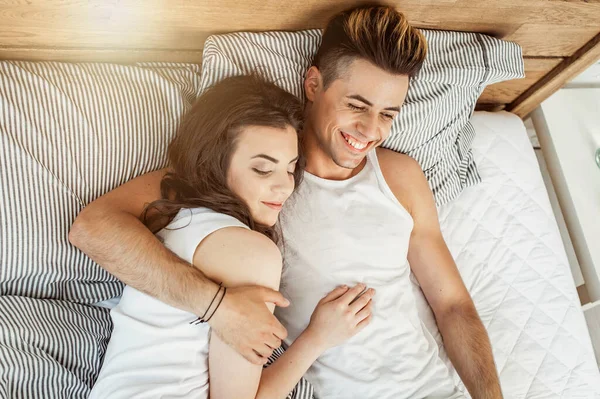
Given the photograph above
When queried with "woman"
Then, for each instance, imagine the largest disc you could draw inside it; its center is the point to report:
(234, 163)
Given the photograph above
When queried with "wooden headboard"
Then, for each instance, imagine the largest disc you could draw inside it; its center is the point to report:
(559, 38)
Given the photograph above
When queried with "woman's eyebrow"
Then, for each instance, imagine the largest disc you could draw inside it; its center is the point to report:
(268, 158)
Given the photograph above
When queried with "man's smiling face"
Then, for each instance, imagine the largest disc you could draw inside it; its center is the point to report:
(354, 114)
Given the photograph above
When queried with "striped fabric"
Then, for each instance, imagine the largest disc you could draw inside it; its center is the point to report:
(433, 126)
(54, 349)
(68, 134)
(50, 348)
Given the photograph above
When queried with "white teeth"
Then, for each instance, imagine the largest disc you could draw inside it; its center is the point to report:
(354, 143)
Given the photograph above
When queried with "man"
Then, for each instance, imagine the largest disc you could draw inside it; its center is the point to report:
(363, 214)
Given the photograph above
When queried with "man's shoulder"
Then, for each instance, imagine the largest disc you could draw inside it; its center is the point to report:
(397, 167)
(403, 175)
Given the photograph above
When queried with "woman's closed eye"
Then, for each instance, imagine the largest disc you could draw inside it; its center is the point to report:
(262, 172)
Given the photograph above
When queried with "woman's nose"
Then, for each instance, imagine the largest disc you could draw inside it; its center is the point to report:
(284, 185)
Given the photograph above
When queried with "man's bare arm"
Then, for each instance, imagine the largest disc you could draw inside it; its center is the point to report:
(109, 231)
(465, 338)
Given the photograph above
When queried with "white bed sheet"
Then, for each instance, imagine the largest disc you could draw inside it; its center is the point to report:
(505, 240)
(506, 243)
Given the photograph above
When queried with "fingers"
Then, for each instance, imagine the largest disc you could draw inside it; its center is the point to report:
(364, 313)
(352, 293)
(278, 330)
(253, 357)
(362, 301)
(364, 323)
(272, 296)
(273, 341)
(263, 351)
(335, 294)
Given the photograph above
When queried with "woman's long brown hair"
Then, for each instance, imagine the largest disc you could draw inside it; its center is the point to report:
(200, 154)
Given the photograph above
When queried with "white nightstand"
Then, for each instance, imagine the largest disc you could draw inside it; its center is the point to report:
(568, 129)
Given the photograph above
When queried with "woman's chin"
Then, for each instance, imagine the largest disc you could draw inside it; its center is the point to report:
(267, 220)
(270, 223)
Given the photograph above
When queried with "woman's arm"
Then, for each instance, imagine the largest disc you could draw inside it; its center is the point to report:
(236, 257)
(253, 259)
(335, 319)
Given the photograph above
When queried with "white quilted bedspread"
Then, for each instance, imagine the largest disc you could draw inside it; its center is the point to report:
(505, 240)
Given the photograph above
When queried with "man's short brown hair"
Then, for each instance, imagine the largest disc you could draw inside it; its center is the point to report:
(378, 34)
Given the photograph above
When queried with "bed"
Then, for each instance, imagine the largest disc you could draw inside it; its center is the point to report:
(505, 240)
(501, 231)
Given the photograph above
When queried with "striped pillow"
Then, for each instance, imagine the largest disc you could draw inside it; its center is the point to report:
(68, 134)
(433, 126)
(54, 349)
(50, 348)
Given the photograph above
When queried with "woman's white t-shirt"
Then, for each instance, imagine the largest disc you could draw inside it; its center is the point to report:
(154, 351)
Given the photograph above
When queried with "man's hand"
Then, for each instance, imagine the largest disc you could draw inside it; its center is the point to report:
(244, 322)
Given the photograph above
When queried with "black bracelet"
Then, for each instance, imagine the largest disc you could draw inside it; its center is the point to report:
(219, 304)
(199, 319)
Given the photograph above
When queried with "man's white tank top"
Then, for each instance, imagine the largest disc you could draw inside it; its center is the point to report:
(346, 232)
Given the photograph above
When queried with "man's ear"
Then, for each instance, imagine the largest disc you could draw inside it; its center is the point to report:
(312, 83)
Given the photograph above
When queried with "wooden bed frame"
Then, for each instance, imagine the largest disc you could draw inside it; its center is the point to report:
(560, 38)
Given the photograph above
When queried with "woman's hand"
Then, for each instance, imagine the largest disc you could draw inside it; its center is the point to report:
(340, 315)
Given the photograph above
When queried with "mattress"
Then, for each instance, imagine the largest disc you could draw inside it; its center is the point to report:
(507, 246)
(505, 240)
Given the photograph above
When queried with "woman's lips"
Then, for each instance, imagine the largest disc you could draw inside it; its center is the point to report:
(274, 205)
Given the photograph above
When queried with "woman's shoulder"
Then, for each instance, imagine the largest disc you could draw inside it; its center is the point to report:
(236, 244)
(193, 216)
(228, 232)
(239, 256)
(191, 226)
